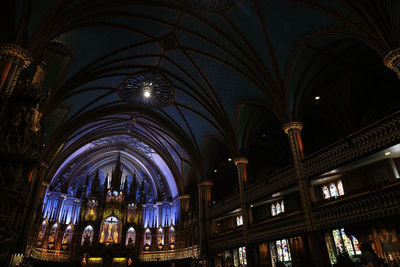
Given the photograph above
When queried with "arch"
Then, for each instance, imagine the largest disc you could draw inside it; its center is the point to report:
(110, 231)
(67, 237)
(130, 237)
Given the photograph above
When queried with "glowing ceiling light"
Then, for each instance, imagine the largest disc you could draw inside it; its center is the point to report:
(147, 93)
(229, 159)
(387, 153)
(317, 98)
(215, 170)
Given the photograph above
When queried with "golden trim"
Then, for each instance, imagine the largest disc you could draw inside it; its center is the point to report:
(205, 183)
(392, 59)
(184, 197)
(240, 160)
(15, 53)
(293, 125)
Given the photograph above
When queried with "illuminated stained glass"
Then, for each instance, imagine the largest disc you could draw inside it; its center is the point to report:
(340, 188)
(286, 252)
(242, 256)
(239, 220)
(356, 244)
(273, 211)
(279, 250)
(333, 190)
(325, 191)
(347, 243)
(338, 241)
(278, 208)
(282, 206)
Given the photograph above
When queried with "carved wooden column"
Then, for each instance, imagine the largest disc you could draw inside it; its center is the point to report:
(241, 164)
(293, 130)
(204, 188)
(13, 59)
(392, 61)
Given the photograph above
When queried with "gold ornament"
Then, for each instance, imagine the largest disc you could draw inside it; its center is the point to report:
(15, 53)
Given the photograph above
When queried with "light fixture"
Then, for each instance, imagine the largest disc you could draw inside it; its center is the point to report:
(387, 153)
(215, 170)
(317, 98)
(147, 93)
(229, 159)
(263, 135)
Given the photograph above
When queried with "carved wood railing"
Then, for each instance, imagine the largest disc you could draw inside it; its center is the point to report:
(364, 142)
(365, 206)
(50, 255)
(183, 253)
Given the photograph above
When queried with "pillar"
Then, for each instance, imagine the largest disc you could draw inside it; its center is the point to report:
(204, 188)
(241, 165)
(392, 61)
(316, 249)
(13, 59)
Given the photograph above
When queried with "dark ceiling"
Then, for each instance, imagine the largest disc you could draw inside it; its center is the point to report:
(236, 70)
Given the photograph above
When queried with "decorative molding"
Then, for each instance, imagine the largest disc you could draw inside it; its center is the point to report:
(240, 160)
(293, 125)
(392, 61)
(15, 53)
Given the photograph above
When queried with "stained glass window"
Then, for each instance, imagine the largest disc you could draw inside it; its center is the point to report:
(347, 243)
(356, 244)
(242, 256)
(282, 206)
(239, 220)
(340, 188)
(333, 190)
(283, 250)
(278, 208)
(273, 211)
(325, 191)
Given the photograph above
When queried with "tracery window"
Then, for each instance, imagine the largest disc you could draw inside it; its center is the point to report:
(87, 236)
(130, 237)
(345, 244)
(277, 208)
(334, 190)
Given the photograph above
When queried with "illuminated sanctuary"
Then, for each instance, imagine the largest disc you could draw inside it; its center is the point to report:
(207, 133)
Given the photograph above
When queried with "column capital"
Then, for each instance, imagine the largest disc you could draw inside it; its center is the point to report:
(293, 125)
(392, 60)
(205, 183)
(184, 196)
(16, 53)
(240, 160)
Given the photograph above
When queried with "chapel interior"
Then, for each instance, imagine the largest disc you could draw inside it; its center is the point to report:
(199, 132)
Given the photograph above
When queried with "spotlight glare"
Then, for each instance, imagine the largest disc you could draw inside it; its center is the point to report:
(147, 94)
(317, 98)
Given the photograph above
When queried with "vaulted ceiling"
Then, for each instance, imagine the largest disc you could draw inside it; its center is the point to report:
(228, 74)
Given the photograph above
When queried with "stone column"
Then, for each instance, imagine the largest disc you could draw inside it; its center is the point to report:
(241, 164)
(13, 59)
(204, 188)
(392, 61)
(293, 130)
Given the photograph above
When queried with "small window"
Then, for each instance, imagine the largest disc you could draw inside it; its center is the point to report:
(325, 191)
(335, 189)
(340, 188)
(277, 208)
(239, 220)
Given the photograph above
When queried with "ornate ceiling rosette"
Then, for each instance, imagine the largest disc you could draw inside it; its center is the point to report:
(149, 88)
